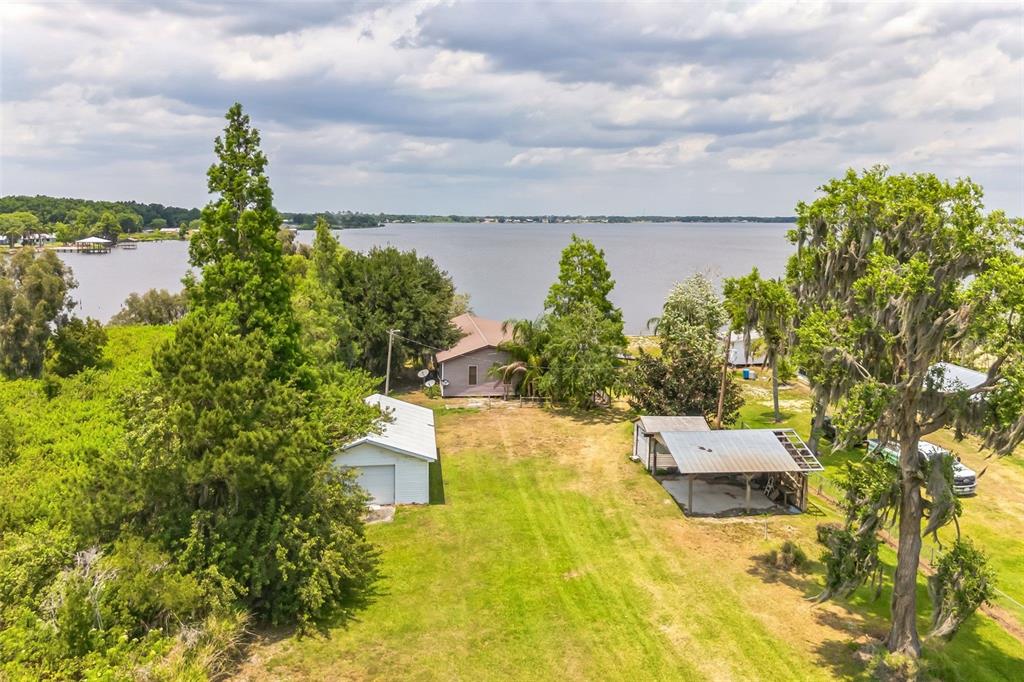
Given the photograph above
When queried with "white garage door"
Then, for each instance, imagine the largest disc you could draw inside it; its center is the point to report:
(379, 481)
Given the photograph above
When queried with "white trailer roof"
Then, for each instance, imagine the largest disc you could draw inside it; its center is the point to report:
(957, 378)
(409, 431)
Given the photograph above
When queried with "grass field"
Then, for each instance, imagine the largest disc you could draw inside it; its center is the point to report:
(556, 557)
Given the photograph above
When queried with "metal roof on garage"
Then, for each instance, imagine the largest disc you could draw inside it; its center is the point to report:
(404, 428)
(658, 424)
(739, 451)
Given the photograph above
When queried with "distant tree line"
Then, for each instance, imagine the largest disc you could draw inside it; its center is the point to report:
(132, 215)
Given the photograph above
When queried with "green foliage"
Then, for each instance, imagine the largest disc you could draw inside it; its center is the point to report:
(232, 469)
(692, 316)
(34, 299)
(461, 305)
(107, 226)
(681, 383)
(76, 345)
(16, 225)
(571, 353)
(527, 349)
(243, 267)
(768, 307)
(582, 349)
(327, 334)
(583, 279)
(391, 289)
(155, 307)
(870, 503)
(961, 583)
(850, 559)
(227, 463)
(687, 376)
(788, 557)
(911, 267)
(131, 215)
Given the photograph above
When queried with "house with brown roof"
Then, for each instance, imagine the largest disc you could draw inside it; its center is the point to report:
(464, 369)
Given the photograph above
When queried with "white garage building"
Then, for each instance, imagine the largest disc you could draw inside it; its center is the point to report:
(394, 465)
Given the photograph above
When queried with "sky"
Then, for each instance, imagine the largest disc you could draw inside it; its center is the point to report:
(514, 108)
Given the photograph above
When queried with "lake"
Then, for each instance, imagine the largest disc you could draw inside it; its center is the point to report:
(505, 268)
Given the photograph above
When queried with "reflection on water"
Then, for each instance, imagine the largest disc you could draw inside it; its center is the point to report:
(506, 268)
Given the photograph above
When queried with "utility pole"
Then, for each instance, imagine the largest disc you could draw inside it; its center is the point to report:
(387, 375)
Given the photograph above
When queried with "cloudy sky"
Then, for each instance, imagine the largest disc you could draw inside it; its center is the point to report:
(572, 107)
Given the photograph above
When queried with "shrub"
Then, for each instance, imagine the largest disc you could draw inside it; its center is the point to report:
(787, 558)
(76, 345)
(156, 306)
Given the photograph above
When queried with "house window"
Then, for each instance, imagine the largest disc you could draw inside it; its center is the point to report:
(472, 375)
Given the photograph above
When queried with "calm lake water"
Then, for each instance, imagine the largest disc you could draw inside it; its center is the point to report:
(505, 268)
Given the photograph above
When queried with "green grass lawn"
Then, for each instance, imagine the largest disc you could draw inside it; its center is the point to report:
(556, 557)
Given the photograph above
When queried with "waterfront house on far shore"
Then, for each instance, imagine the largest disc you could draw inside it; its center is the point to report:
(464, 369)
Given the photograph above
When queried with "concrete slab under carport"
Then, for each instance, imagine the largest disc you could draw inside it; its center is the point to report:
(721, 497)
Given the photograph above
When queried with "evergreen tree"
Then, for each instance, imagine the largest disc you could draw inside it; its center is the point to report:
(231, 443)
(582, 352)
(583, 277)
(583, 329)
(327, 334)
(237, 249)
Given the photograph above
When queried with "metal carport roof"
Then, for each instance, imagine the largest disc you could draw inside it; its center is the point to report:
(739, 451)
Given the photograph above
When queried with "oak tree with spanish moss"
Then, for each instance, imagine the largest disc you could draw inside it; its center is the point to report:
(902, 270)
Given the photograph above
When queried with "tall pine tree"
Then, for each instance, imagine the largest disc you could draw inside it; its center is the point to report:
(230, 444)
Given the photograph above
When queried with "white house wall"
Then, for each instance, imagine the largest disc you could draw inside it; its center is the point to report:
(412, 475)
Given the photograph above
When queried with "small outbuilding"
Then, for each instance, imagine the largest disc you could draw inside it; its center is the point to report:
(394, 465)
(464, 369)
(712, 473)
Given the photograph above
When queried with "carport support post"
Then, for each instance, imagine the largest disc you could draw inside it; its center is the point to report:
(689, 495)
(747, 476)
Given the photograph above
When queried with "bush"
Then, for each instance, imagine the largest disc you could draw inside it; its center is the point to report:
(787, 558)
(156, 306)
(76, 345)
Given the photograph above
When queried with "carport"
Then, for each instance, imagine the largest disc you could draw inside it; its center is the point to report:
(768, 467)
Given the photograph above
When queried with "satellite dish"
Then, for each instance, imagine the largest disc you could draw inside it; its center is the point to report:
(429, 382)
(444, 382)
(423, 373)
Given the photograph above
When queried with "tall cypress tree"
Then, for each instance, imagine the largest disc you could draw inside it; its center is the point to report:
(231, 443)
(236, 247)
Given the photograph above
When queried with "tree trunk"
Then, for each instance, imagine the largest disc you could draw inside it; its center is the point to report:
(818, 423)
(775, 389)
(725, 378)
(903, 636)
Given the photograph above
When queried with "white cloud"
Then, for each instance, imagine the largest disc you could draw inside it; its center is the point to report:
(539, 107)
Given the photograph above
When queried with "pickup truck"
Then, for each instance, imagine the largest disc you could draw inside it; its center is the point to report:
(965, 481)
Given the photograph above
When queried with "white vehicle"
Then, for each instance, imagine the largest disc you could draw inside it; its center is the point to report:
(965, 481)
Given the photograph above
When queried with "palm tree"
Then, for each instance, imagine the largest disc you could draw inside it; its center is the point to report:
(526, 348)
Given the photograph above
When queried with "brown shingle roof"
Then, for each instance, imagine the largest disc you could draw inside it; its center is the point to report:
(477, 333)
